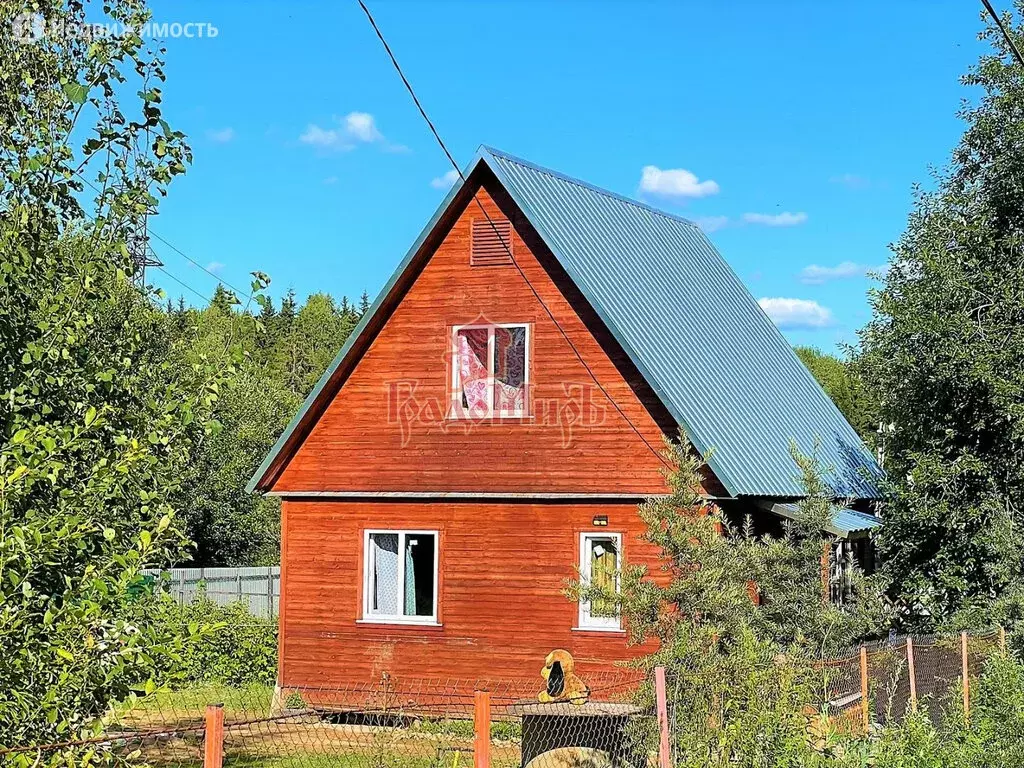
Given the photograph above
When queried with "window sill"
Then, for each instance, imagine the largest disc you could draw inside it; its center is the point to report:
(602, 630)
(399, 622)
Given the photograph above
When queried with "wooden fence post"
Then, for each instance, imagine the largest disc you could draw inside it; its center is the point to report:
(966, 678)
(912, 674)
(482, 729)
(1002, 639)
(661, 700)
(864, 688)
(213, 741)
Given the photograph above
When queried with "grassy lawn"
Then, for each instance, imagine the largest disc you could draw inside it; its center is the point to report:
(307, 741)
(167, 709)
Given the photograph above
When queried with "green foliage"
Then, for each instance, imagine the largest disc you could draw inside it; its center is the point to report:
(711, 571)
(742, 689)
(285, 354)
(839, 380)
(941, 362)
(236, 649)
(98, 415)
(990, 739)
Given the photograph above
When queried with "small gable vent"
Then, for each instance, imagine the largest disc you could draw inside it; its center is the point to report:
(490, 242)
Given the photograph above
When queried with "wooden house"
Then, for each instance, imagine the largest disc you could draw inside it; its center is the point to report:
(489, 429)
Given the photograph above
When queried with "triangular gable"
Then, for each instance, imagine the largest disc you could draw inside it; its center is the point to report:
(717, 363)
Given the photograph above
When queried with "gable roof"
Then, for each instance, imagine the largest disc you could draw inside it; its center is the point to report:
(703, 344)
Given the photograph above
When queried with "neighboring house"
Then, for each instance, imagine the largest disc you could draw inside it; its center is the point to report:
(461, 459)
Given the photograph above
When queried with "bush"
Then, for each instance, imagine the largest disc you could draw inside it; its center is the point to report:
(234, 647)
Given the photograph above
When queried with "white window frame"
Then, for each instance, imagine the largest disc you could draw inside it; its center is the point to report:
(457, 411)
(370, 617)
(586, 621)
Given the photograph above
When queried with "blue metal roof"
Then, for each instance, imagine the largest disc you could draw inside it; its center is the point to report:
(844, 521)
(702, 342)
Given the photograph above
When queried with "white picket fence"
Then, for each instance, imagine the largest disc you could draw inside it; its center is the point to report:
(258, 587)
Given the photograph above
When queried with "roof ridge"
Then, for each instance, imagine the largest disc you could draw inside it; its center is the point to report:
(586, 185)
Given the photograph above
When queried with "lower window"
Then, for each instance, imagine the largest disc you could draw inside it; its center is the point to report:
(600, 566)
(400, 576)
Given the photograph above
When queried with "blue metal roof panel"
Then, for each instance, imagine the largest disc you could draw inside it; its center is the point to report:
(844, 521)
(703, 343)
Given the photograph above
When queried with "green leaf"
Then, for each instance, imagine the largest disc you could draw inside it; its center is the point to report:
(66, 655)
(76, 93)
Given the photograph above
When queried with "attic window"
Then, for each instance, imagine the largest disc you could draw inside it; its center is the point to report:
(490, 242)
(490, 371)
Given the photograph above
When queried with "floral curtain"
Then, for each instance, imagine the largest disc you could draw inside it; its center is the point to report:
(509, 371)
(473, 374)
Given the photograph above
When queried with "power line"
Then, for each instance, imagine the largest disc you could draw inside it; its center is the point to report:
(177, 250)
(1004, 30)
(501, 239)
(183, 283)
(212, 274)
(160, 265)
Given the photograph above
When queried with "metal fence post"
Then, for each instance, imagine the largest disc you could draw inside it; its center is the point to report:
(482, 729)
(912, 673)
(213, 741)
(966, 677)
(864, 688)
(661, 700)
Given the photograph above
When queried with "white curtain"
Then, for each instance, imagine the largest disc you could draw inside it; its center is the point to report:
(385, 573)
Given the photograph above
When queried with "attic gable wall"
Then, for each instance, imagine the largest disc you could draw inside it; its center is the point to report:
(386, 429)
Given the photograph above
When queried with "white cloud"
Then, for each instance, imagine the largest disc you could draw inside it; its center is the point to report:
(796, 313)
(221, 135)
(784, 219)
(851, 181)
(446, 181)
(675, 182)
(361, 127)
(324, 138)
(711, 223)
(331, 180)
(814, 274)
(348, 132)
(215, 267)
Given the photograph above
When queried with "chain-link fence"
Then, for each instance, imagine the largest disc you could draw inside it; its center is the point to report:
(881, 681)
(621, 720)
(391, 722)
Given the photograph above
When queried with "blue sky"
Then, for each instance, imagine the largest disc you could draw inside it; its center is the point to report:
(793, 131)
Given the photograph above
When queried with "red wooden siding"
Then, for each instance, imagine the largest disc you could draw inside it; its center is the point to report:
(502, 569)
(385, 429)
